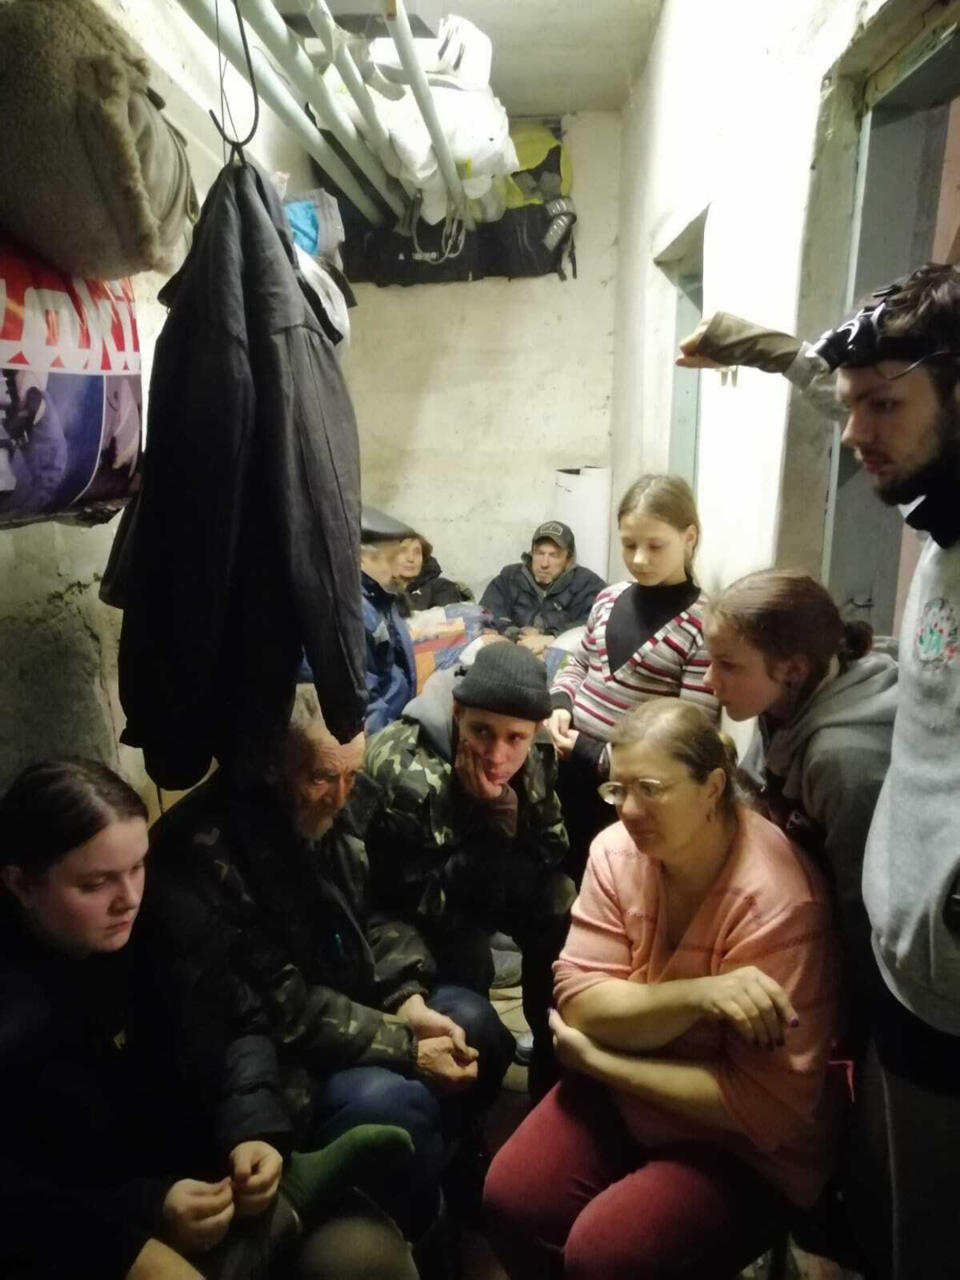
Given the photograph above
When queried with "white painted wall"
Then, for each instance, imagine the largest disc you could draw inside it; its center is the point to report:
(722, 117)
(469, 396)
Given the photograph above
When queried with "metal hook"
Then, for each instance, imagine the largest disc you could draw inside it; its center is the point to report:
(236, 145)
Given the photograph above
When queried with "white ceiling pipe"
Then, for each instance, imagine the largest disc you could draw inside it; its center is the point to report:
(324, 24)
(284, 45)
(277, 96)
(399, 24)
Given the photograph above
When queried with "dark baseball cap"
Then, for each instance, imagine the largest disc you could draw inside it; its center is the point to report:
(554, 531)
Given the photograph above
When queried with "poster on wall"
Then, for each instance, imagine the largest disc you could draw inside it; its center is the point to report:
(70, 393)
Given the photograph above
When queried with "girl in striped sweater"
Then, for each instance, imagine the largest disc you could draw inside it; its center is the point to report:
(643, 639)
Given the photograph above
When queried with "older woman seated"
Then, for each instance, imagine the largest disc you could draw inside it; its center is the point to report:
(421, 576)
(696, 1004)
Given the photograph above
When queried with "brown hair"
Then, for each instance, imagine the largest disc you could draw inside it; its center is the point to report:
(666, 498)
(926, 309)
(785, 613)
(687, 734)
(52, 807)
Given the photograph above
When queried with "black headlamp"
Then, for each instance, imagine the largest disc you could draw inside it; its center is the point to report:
(860, 341)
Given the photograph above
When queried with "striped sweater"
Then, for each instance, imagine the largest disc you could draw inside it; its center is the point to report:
(672, 664)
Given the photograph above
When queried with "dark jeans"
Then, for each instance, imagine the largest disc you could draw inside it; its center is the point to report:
(540, 930)
(585, 815)
(377, 1095)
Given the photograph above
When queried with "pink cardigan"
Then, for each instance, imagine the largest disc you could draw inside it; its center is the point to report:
(768, 907)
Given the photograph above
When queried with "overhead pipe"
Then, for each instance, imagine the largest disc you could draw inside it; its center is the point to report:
(399, 25)
(325, 26)
(284, 45)
(278, 97)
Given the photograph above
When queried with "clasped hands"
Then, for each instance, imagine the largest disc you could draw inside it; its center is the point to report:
(445, 1061)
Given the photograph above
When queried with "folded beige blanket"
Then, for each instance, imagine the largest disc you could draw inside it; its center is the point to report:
(92, 176)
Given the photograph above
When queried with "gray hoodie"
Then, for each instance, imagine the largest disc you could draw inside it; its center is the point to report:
(432, 709)
(913, 855)
(831, 759)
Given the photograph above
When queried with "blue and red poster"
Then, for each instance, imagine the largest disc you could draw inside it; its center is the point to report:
(70, 398)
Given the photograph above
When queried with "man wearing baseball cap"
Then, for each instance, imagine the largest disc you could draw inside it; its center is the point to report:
(472, 839)
(545, 593)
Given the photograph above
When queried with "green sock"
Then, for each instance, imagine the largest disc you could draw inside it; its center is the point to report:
(312, 1179)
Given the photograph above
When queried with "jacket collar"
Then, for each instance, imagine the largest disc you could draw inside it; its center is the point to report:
(938, 511)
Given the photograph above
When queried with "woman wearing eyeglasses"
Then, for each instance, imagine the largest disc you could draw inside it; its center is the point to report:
(695, 1011)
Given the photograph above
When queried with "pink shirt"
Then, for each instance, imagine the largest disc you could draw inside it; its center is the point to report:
(768, 907)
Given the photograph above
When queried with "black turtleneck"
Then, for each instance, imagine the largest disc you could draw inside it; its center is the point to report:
(639, 613)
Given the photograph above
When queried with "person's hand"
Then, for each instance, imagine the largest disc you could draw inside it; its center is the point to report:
(564, 738)
(572, 1047)
(688, 357)
(428, 1024)
(197, 1215)
(255, 1168)
(535, 641)
(472, 778)
(157, 1261)
(439, 1065)
(756, 1006)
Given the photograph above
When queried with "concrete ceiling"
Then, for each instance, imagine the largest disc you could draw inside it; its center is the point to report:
(550, 56)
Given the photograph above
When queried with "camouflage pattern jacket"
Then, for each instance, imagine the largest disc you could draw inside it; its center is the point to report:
(256, 928)
(436, 856)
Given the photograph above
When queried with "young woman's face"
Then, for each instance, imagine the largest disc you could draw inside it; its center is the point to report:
(87, 902)
(739, 675)
(655, 553)
(410, 560)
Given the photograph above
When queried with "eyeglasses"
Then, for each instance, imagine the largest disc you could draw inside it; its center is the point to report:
(648, 789)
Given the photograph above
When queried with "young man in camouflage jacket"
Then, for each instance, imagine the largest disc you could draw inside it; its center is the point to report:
(258, 918)
(470, 838)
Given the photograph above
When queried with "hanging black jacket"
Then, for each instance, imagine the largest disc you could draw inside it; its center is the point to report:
(243, 548)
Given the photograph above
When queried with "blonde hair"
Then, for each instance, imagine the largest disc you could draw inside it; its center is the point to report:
(666, 498)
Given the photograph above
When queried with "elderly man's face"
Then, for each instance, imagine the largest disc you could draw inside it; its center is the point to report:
(548, 561)
(380, 562)
(319, 775)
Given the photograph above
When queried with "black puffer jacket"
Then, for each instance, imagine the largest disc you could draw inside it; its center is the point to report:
(243, 549)
(96, 1122)
(247, 918)
(428, 589)
(515, 598)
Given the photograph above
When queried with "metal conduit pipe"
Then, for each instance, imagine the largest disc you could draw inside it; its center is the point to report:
(277, 96)
(399, 25)
(325, 26)
(283, 44)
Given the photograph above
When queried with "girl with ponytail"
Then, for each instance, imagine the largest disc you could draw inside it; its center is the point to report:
(780, 651)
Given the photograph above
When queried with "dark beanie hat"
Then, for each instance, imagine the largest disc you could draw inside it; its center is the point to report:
(508, 679)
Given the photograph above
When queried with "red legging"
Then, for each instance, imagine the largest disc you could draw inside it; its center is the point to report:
(572, 1194)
